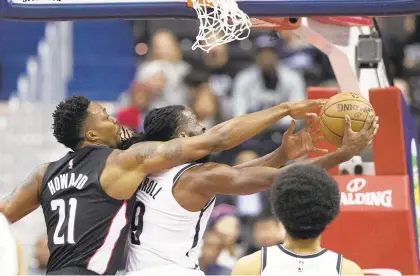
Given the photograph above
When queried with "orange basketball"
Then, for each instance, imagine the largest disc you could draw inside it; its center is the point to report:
(333, 112)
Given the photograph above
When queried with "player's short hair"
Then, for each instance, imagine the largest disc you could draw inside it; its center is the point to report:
(68, 119)
(305, 199)
(162, 124)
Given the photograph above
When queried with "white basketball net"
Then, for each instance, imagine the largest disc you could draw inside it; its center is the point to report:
(221, 21)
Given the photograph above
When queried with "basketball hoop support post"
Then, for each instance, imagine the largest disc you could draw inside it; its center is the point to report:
(339, 43)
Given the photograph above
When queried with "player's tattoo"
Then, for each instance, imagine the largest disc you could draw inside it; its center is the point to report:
(146, 150)
(32, 181)
(170, 150)
(173, 150)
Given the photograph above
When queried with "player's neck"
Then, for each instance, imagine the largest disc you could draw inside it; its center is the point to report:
(87, 144)
(302, 247)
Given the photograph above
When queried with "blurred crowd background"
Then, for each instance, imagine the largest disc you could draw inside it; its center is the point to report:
(135, 66)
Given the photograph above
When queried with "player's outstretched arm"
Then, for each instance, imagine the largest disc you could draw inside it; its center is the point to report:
(158, 156)
(24, 199)
(248, 265)
(212, 178)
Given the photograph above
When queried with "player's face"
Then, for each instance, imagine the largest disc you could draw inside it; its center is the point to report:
(192, 127)
(101, 127)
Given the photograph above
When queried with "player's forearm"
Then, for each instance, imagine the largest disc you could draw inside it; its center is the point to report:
(329, 160)
(237, 130)
(274, 159)
(253, 180)
(14, 214)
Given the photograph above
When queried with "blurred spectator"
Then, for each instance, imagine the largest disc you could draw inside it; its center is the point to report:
(201, 98)
(210, 251)
(248, 205)
(267, 231)
(41, 256)
(266, 83)
(225, 222)
(165, 62)
(299, 55)
(411, 98)
(139, 96)
(222, 72)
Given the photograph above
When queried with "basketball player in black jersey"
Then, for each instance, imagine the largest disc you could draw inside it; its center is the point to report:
(84, 194)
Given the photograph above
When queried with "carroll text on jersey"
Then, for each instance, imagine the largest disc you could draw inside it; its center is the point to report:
(150, 187)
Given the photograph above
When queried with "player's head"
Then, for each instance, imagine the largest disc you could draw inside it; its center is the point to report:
(166, 123)
(170, 122)
(78, 121)
(305, 199)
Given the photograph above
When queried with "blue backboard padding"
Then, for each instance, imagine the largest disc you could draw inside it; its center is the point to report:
(180, 10)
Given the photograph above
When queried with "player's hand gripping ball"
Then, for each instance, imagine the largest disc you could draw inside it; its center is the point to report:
(331, 118)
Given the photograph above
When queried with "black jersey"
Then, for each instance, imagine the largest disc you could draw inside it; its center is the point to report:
(86, 227)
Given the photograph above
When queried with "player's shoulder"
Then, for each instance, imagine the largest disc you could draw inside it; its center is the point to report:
(248, 265)
(350, 268)
(42, 168)
(39, 172)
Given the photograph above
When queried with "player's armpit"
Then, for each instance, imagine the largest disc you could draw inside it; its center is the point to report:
(248, 265)
(23, 199)
(350, 268)
(212, 178)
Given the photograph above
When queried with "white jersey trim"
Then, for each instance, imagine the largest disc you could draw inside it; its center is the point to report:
(339, 263)
(100, 260)
(263, 258)
(175, 181)
(290, 253)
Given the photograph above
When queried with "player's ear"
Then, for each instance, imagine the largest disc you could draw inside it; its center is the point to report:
(91, 136)
(182, 134)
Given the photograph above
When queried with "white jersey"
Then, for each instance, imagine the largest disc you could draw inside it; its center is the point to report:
(162, 232)
(277, 260)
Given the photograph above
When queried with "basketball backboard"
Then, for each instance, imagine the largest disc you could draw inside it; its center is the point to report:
(82, 9)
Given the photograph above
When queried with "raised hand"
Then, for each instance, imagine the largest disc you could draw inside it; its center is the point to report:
(355, 142)
(297, 145)
(299, 110)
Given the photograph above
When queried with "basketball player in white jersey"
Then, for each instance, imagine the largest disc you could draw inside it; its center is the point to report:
(305, 199)
(172, 208)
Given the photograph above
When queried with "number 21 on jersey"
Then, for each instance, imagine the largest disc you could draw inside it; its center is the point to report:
(60, 205)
